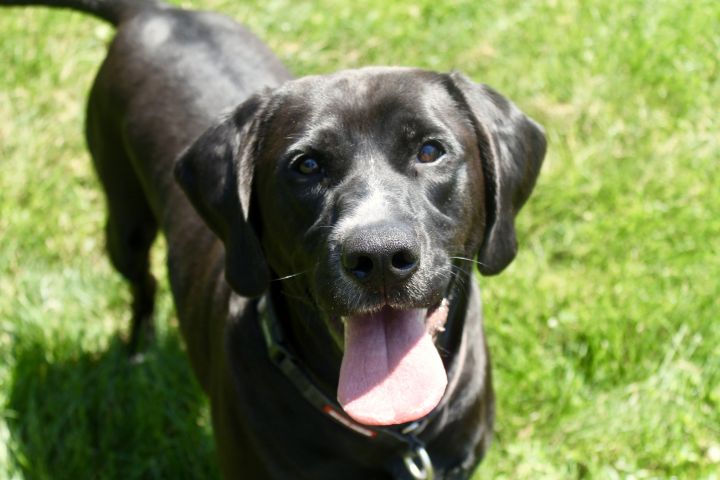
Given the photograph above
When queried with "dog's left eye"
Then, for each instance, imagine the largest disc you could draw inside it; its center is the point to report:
(430, 152)
(307, 165)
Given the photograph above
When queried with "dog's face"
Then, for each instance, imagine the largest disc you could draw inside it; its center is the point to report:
(364, 186)
(368, 191)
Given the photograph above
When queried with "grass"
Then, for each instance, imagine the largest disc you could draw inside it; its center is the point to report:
(603, 332)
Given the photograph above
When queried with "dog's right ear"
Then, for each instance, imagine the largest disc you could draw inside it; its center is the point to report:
(216, 174)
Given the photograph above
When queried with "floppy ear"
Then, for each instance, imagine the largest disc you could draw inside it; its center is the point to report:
(216, 174)
(512, 148)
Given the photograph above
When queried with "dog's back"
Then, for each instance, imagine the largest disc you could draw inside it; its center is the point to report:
(208, 65)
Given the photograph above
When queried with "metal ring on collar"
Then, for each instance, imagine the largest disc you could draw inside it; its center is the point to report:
(423, 471)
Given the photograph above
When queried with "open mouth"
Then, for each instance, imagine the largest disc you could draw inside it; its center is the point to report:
(391, 372)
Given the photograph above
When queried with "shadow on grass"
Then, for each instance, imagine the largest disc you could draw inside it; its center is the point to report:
(97, 415)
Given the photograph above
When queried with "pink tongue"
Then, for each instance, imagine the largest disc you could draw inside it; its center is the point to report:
(391, 372)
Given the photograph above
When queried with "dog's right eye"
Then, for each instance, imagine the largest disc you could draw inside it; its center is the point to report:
(430, 152)
(307, 165)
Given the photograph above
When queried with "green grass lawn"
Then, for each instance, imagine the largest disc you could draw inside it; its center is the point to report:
(603, 332)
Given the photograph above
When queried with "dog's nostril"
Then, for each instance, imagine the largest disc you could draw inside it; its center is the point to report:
(361, 266)
(404, 260)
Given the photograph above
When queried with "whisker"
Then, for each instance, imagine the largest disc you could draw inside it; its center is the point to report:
(458, 269)
(460, 280)
(469, 260)
(293, 275)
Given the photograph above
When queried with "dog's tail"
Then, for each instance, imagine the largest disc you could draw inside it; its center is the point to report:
(113, 11)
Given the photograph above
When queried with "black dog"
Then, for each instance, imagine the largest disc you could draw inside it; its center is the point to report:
(321, 240)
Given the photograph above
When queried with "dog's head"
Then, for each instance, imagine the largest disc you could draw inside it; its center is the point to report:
(370, 187)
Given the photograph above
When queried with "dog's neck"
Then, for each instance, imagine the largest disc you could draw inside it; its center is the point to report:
(309, 338)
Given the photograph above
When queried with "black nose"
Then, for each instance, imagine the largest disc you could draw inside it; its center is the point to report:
(381, 255)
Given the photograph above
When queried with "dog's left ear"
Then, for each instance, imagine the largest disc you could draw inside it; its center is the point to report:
(216, 174)
(512, 148)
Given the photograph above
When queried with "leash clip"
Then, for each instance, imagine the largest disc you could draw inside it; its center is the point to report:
(417, 461)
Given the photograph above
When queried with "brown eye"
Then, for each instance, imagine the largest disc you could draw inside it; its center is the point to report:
(430, 152)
